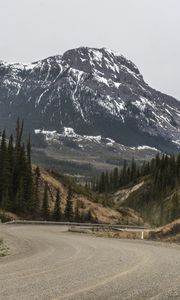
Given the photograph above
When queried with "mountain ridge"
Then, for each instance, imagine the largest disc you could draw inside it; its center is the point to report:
(94, 92)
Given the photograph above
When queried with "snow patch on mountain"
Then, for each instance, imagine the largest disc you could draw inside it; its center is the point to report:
(145, 147)
(176, 142)
(68, 132)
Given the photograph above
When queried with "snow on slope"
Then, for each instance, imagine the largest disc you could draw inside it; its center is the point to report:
(90, 90)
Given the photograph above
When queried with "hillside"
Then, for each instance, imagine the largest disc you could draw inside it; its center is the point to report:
(154, 209)
(31, 192)
(152, 188)
(99, 213)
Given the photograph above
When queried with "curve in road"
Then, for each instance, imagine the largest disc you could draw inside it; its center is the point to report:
(47, 262)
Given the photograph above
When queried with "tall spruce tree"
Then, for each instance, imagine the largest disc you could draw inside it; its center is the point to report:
(57, 208)
(16, 178)
(77, 215)
(36, 200)
(68, 212)
(45, 204)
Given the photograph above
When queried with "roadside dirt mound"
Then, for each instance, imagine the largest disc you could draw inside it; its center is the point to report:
(169, 232)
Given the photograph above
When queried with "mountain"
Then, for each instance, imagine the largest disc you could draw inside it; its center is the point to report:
(89, 100)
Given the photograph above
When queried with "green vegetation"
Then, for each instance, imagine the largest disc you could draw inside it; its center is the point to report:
(3, 249)
(79, 189)
(158, 200)
(4, 217)
(165, 172)
(57, 215)
(20, 188)
(63, 166)
(17, 189)
(45, 205)
(68, 213)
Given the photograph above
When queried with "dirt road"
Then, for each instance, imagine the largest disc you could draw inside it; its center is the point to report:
(46, 262)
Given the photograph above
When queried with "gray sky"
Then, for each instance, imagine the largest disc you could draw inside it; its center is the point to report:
(145, 31)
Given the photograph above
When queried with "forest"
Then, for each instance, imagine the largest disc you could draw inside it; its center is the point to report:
(161, 176)
(20, 184)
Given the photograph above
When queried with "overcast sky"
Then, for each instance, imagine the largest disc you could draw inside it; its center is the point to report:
(145, 31)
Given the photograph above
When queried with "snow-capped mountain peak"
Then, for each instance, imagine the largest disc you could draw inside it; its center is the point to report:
(97, 92)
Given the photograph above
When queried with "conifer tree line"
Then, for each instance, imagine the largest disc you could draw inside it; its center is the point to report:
(18, 193)
(164, 171)
(20, 186)
(163, 175)
(110, 181)
(70, 213)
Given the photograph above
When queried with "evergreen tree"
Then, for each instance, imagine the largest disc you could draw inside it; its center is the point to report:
(36, 200)
(17, 189)
(115, 178)
(45, 205)
(57, 208)
(175, 209)
(89, 216)
(77, 215)
(133, 173)
(19, 204)
(102, 183)
(68, 213)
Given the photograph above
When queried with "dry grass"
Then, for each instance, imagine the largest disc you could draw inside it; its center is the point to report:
(102, 232)
(169, 232)
(119, 235)
(3, 249)
(99, 213)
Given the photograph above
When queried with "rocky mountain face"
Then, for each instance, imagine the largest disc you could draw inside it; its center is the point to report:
(89, 94)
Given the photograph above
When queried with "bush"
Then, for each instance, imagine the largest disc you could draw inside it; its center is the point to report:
(4, 217)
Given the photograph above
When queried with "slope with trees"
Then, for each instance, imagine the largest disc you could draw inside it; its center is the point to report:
(152, 189)
(30, 192)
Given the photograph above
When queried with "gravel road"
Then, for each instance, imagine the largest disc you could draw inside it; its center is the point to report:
(47, 262)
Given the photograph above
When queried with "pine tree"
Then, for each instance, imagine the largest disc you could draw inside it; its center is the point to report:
(68, 213)
(115, 178)
(77, 215)
(123, 180)
(89, 216)
(36, 201)
(133, 172)
(102, 183)
(19, 204)
(45, 205)
(57, 208)
(178, 168)
(16, 180)
(175, 209)
(4, 169)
